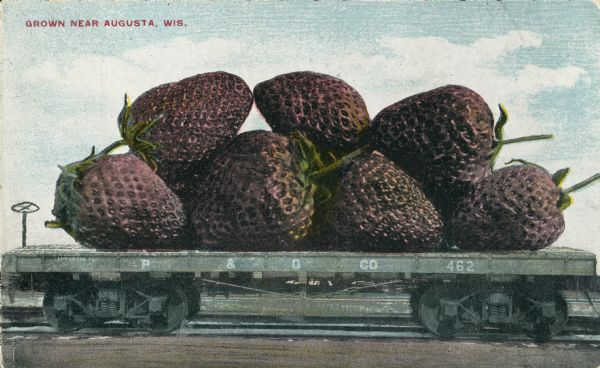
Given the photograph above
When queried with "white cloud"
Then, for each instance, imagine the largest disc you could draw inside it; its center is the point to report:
(482, 65)
(182, 53)
(46, 71)
(533, 79)
(135, 70)
(88, 76)
(501, 45)
(410, 64)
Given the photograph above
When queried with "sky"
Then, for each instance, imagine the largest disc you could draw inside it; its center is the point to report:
(63, 87)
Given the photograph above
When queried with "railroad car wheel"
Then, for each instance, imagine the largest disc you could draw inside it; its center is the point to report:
(541, 314)
(69, 307)
(447, 309)
(193, 297)
(163, 306)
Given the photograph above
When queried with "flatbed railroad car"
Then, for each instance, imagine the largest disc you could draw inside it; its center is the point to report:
(534, 292)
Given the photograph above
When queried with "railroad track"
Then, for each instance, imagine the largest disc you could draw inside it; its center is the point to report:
(577, 331)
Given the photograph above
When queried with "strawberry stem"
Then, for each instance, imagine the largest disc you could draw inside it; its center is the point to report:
(334, 167)
(521, 161)
(528, 138)
(502, 143)
(111, 147)
(53, 225)
(565, 198)
(499, 140)
(81, 166)
(582, 184)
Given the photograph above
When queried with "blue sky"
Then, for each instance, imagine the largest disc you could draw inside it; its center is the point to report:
(63, 87)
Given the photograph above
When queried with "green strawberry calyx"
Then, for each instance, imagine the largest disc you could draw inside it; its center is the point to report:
(318, 174)
(67, 194)
(326, 175)
(131, 132)
(558, 178)
(499, 140)
(310, 161)
(309, 158)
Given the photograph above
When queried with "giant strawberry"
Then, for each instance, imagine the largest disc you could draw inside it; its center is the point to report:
(178, 126)
(445, 138)
(117, 202)
(379, 208)
(516, 207)
(328, 110)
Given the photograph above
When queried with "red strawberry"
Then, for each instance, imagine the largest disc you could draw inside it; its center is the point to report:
(379, 208)
(178, 126)
(259, 194)
(517, 207)
(117, 202)
(328, 110)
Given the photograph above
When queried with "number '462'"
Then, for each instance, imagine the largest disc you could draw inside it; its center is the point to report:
(461, 266)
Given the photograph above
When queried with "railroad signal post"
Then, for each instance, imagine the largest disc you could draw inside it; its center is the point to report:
(24, 208)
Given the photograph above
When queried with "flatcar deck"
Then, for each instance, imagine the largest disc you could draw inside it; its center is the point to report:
(452, 292)
(552, 261)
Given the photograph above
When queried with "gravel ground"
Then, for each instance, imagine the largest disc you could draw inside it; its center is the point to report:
(198, 351)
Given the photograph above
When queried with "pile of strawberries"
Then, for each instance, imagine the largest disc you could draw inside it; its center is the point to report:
(417, 177)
